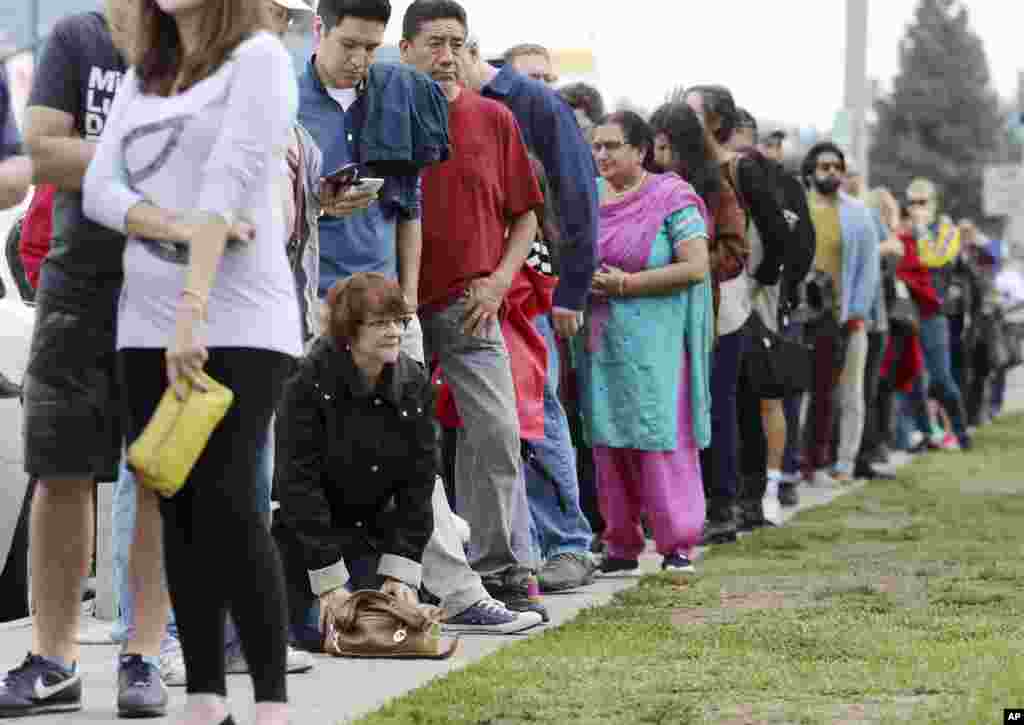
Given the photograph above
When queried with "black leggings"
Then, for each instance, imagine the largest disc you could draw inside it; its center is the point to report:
(218, 552)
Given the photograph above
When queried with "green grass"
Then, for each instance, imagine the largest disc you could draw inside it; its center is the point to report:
(901, 603)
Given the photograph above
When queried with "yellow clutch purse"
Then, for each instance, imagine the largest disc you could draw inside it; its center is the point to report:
(163, 456)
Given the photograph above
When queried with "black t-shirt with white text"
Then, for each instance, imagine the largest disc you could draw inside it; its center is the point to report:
(79, 73)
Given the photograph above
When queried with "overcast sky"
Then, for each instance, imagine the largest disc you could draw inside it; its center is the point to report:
(783, 59)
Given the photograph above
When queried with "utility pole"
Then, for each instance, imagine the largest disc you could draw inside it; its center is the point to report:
(856, 100)
(33, 28)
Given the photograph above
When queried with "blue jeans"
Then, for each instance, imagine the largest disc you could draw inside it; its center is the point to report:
(557, 524)
(936, 343)
(720, 463)
(125, 507)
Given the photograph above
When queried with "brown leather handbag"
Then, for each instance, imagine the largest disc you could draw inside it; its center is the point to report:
(376, 625)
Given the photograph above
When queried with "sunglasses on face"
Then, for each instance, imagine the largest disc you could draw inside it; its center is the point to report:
(917, 202)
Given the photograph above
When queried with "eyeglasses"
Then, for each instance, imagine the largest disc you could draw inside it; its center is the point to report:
(827, 166)
(608, 146)
(381, 325)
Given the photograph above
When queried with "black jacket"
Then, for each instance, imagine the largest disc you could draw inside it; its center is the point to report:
(760, 198)
(355, 467)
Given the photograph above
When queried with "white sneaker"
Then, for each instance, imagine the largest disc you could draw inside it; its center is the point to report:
(489, 616)
(822, 479)
(297, 661)
(172, 665)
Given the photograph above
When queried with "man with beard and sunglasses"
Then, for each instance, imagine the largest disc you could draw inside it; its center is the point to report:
(847, 253)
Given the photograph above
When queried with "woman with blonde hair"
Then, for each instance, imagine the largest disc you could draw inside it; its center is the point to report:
(938, 245)
(194, 145)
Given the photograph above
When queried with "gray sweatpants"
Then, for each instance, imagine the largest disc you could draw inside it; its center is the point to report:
(489, 483)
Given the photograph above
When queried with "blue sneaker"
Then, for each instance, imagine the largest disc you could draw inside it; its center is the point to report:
(489, 616)
(140, 689)
(39, 686)
(678, 564)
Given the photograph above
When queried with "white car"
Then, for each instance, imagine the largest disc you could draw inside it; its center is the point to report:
(16, 319)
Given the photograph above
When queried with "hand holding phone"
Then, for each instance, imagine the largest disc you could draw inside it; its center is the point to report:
(340, 193)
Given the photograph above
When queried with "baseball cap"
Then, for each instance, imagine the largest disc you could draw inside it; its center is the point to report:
(297, 5)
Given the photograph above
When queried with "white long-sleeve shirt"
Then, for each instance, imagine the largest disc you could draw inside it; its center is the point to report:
(215, 148)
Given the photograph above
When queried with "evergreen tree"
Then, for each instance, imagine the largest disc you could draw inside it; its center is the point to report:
(942, 120)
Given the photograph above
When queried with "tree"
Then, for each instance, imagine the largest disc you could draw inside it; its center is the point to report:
(943, 119)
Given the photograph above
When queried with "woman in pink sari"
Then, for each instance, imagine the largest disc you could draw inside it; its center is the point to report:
(645, 361)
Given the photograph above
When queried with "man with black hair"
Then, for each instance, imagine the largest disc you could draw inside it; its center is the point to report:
(356, 234)
(848, 254)
(479, 228)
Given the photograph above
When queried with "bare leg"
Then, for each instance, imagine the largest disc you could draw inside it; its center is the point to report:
(61, 535)
(146, 573)
(773, 416)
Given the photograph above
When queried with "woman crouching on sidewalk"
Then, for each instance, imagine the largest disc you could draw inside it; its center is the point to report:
(356, 458)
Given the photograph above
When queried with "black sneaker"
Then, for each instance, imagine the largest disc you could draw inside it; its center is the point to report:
(563, 572)
(39, 686)
(788, 493)
(679, 564)
(140, 689)
(867, 472)
(518, 590)
(719, 531)
(613, 566)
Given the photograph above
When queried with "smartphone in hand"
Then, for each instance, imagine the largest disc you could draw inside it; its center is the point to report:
(344, 176)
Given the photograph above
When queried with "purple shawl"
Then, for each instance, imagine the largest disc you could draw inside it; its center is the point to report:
(629, 227)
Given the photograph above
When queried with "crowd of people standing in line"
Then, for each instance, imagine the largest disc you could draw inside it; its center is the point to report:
(492, 370)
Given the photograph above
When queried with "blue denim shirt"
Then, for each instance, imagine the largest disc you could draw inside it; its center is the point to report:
(551, 131)
(363, 242)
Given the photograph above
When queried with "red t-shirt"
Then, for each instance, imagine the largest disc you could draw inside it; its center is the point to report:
(469, 200)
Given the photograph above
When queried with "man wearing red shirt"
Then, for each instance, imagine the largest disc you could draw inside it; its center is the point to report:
(478, 226)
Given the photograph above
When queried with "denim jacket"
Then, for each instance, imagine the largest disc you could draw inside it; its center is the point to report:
(404, 127)
(861, 268)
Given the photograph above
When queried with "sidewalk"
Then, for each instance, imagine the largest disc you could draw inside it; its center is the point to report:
(338, 690)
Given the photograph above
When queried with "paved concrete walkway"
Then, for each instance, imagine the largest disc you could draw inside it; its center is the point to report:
(339, 691)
